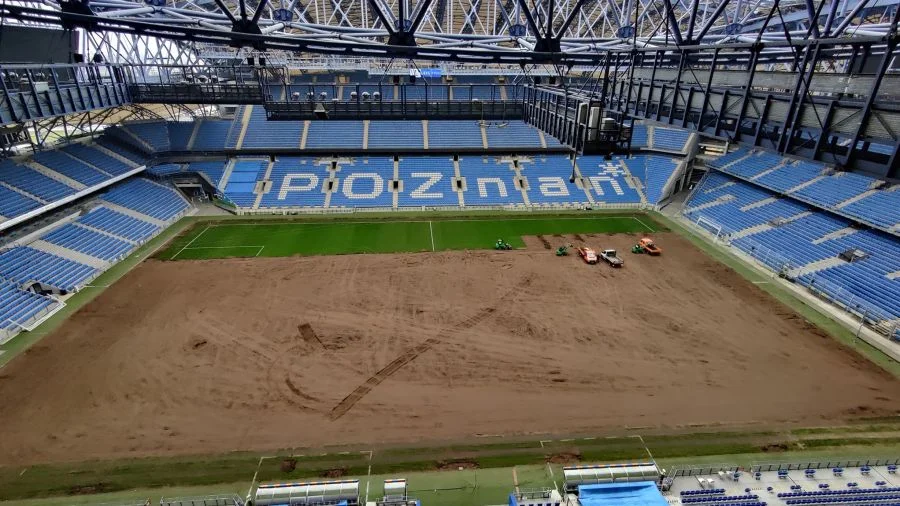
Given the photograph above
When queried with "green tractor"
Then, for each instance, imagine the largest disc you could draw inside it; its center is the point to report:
(563, 251)
(501, 244)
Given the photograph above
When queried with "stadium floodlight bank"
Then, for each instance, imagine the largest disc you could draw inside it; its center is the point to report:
(586, 475)
(315, 493)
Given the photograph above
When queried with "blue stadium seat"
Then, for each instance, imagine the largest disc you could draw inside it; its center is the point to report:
(17, 306)
(13, 204)
(335, 134)
(427, 181)
(153, 133)
(364, 183)
(88, 242)
(489, 182)
(454, 134)
(296, 183)
(70, 167)
(24, 264)
(244, 175)
(33, 182)
(514, 134)
(118, 224)
(148, 198)
(548, 181)
(97, 158)
(608, 181)
(396, 134)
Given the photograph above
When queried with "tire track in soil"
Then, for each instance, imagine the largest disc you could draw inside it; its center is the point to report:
(409, 355)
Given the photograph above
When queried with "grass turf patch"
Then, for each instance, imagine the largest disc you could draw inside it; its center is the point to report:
(289, 238)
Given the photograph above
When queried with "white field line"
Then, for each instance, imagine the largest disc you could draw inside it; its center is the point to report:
(191, 242)
(431, 232)
(549, 468)
(643, 224)
(224, 247)
(338, 222)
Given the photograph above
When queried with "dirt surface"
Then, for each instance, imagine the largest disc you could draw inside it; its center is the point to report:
(212, 356)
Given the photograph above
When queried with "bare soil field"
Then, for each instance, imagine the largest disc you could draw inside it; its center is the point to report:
(258, 354)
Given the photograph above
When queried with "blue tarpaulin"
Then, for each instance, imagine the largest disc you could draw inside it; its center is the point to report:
(638, 493)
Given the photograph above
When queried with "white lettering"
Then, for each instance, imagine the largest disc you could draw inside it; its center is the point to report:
(598, 189)
(553, 187)
(432, 179)
(484, 181)
(312, 181)
(377, 185)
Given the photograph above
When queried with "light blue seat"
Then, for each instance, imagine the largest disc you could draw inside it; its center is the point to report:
(364, 183)
(548, 181)
(296, 182)
(488, 183)
(427, 181)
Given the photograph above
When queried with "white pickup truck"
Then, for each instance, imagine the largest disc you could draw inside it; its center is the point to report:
(612, 258)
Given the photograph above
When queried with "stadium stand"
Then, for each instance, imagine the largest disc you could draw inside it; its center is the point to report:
(364, 183)
(396, 134)
(32, 182)
(515, 134)
(14, 204)
(124, 150)
(427, 181)
(670, 139)
(881, 208)
(25, 265)
(805, 243)
(97, 158)
(335, 134)
(87, 241)
(608, 181)
(20, 307)
(213, 170)
(118, 224)
(489, 182)
(854, 196)
(147, 198)
(164, 169)
(244, 175)
(454, 134)
(153, 134)
(70, 167)
(830, 191)
(180, 133)
(639, 136)
(262, 133)
(296, 183)
(548, 182)
(211, 134)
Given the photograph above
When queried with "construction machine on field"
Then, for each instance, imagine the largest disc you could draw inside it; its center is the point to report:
(646, 245)
(502, 245)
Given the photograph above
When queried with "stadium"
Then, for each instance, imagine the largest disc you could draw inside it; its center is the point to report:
(449, 253)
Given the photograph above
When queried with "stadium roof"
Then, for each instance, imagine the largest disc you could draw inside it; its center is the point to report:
(511, 31)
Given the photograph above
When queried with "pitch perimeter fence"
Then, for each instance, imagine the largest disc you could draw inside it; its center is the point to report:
(782, 266)
(828, 464)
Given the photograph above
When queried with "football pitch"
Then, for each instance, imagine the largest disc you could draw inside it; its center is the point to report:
(208, 240)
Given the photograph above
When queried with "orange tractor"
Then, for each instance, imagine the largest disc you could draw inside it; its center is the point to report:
(646, 245)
